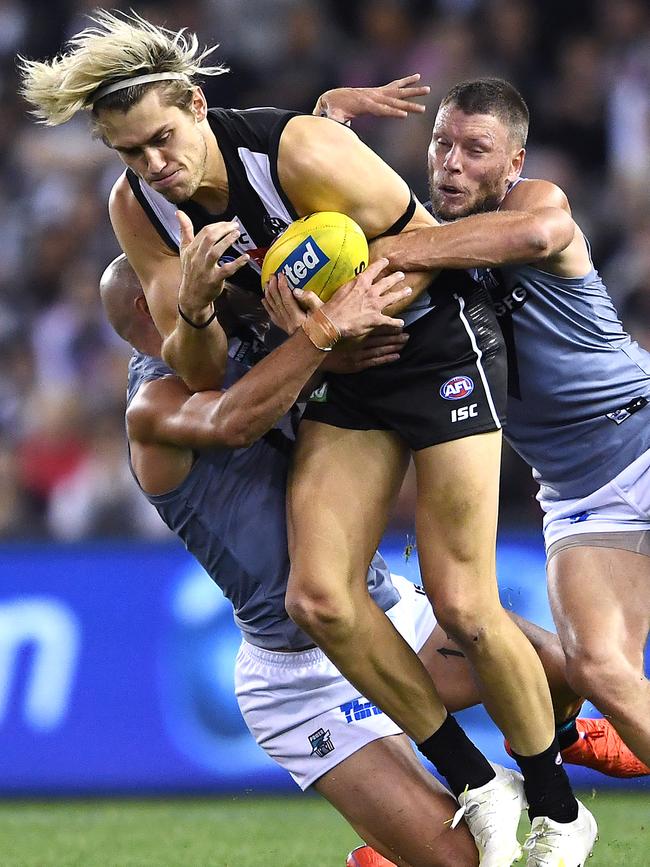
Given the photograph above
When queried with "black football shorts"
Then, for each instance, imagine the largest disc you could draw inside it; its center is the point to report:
(450, 380)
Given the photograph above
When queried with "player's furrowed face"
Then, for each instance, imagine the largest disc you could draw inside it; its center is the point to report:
(472, 160)
(162, 144)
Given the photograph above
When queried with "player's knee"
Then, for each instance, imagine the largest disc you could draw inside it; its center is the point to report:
(463, 621)
(605, 676)
(323, 613)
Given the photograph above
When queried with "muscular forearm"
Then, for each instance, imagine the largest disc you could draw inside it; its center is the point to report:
(253, 404)
(198, 355)
(482, 240)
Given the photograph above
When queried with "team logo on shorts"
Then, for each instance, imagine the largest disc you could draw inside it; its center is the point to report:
(321, 743)
(457, 388)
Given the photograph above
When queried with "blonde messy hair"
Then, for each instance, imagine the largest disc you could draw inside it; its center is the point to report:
(115, 48)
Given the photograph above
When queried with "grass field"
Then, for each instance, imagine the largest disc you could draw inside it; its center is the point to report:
(241, 832)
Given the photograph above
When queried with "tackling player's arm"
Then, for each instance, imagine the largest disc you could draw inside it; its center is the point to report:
(166, 423)
(165, 414)
(323, 166)
(534, 225)
(164, 411)
(197, 354)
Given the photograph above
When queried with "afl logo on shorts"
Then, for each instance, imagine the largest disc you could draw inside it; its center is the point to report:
(457, 388)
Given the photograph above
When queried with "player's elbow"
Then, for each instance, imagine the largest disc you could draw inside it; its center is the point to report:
(169, 355)
(197, 378)
(549, 233)
(138, 421)
(233, 432)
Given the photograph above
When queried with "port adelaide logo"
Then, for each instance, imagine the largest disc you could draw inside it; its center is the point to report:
(321, 743)
(457, 388)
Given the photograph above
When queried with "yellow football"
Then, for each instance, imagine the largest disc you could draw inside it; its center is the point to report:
(318, 253)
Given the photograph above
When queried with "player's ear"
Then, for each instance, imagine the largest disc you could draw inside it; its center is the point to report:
(141, 305)
(517, 165)
(199, 105)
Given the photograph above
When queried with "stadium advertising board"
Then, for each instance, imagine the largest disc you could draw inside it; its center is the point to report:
(116, 671)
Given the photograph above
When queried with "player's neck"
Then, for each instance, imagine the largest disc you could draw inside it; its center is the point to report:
(213, 192)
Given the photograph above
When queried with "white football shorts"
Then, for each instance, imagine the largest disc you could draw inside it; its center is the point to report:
(622, 505)
(302, 711)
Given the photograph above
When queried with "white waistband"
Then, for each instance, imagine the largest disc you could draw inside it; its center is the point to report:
(282, 658)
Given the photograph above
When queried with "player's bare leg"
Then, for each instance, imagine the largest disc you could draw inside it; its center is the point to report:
(341, 490)
(458, 488)
(457, 504)
(343, 485)
(397, 807)
(457, 687)
(589, 742)
(600, 599)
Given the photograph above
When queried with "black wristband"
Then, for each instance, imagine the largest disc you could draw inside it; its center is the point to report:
(193, 324)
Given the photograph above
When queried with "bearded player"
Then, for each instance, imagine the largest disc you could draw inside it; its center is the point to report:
(260, 169)
(578, 387)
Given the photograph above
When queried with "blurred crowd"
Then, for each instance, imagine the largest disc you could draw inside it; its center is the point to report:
(583, 67)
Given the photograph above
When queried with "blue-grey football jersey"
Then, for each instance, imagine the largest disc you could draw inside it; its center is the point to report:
(230, 513)
(578, 385)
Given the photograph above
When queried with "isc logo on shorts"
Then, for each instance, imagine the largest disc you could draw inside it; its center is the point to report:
(464, 413)
(305, 261)
(457, 388)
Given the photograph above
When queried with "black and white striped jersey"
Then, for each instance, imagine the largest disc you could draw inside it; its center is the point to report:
(248, 141)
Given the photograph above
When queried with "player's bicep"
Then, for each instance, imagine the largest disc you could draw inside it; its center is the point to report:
(563, 247)
(164, 412)
(323, 166)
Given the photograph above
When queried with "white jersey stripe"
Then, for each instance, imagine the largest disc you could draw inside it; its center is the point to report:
(479, 357)
(258, 172)
(165, 211)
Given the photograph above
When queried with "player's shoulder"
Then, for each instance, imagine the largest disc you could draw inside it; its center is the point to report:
(313, 145)
(137, 232)
(122, 202)
(308, 127)
(529, 193)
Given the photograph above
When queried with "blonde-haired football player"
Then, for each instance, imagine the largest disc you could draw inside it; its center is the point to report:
(110, 52)
(204, 194)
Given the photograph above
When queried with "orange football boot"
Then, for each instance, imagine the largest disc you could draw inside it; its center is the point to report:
(600, 747)
(365, 856)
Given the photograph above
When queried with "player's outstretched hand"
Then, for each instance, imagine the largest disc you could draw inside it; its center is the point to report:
(202, 276)
(390, 100)
(357, 307)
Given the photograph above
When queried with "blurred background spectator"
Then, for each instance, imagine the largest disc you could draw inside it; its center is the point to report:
(584, 68)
